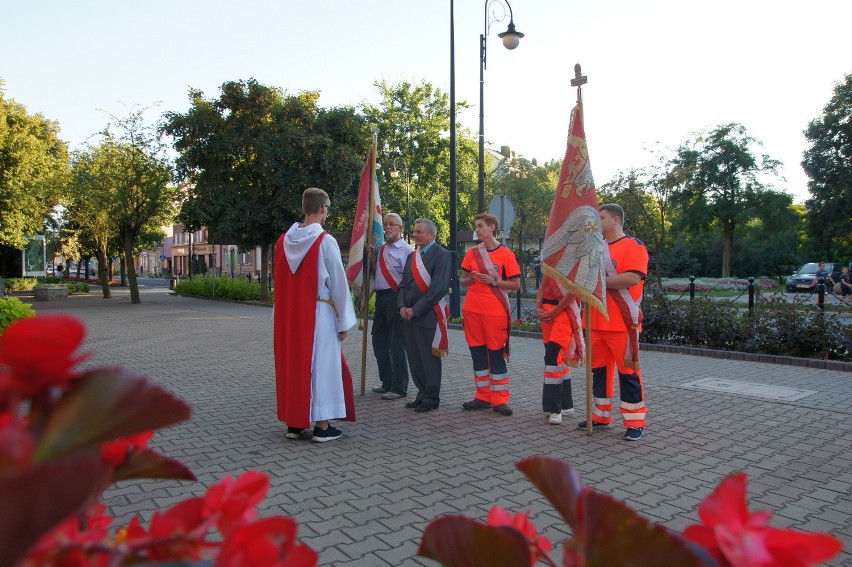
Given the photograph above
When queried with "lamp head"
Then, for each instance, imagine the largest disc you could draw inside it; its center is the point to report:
(394, 173)
(511, 37)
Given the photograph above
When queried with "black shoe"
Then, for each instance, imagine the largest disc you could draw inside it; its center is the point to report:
(294, 432)
(414, 404)
(503, 409)
(380, 390)
(422, 408)
(328, 434)
(633, 434)
(595, 425)
(476, 404)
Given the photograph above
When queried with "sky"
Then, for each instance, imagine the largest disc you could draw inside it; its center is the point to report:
(659, 71)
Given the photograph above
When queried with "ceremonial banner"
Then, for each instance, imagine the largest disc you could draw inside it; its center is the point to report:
(574, 252)
(368, 202)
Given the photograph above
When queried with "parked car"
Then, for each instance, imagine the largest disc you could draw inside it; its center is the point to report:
(804, 279)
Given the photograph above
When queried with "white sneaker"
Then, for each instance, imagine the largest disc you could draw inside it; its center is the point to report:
(554, 419)
(569, 411)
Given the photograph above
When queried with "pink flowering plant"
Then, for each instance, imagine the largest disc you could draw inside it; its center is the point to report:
(607, 532)
(67, 434)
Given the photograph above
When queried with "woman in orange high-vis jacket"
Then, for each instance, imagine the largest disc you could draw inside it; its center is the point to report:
(490, 271)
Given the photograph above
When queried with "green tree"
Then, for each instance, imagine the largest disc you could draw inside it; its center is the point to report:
(722, 182)
(249, 154)
(413, 122)
(33, 171)
(529, 188)
(124, 192)
(828, 164)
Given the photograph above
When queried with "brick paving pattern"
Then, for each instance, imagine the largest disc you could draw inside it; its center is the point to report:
(366, 498)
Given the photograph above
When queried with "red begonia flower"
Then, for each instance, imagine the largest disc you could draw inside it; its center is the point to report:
(39, 353)
(737, 537)
(521, 522)
(115, 452)
(270, 542)
(235, 500)
(66, 543)
(16, 443)
(176, 528)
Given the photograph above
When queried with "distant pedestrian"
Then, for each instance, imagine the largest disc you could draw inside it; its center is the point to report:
(559, 313)
(313, 312)
(388, 337)
(822, 275)
(537, 269)
(489, 271)
(845, 285)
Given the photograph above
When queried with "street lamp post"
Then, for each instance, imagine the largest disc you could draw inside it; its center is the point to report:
(394, 173)
(511, 38)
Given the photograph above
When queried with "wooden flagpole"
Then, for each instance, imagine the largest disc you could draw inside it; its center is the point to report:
(368, 262)
(578, 81)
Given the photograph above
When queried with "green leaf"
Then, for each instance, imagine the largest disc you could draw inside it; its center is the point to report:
(558, 481)
(36, 500)
(614, 534)
(104, 404)
(145, 463)
(456, 541)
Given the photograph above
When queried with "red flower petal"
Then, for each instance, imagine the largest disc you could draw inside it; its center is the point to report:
(727, 504)
(39, 352)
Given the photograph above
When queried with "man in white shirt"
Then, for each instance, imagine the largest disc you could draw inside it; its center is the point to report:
(388, 339)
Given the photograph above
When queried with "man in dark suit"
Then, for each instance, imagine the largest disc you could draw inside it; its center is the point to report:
(425, 281)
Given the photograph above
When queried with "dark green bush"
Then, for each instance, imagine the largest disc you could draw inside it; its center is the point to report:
(775, 327)
(237, 289)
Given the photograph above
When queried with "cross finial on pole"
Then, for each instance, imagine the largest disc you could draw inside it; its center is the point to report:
(578, 81)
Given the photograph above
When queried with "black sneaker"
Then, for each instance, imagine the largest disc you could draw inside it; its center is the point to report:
(330, 433)
(633, 434)
(476, 404)
(595, 425)
(294, 432)
(503, 409)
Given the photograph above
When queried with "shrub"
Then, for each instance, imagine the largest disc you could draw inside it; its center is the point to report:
(77, 287)
(776, 327)
(237, 289)
(12, 309)
(21, 284)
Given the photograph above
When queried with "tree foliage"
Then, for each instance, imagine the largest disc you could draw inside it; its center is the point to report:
(413, 122)
(250, 153)
(531, 191)
(33, 171)
(123, 193)
(828, 164)
(723, 182)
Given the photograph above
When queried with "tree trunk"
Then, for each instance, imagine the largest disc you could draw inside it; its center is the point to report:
(131, 273)
(728, 249)
(102, 273)
(264, 272)
(123, 269)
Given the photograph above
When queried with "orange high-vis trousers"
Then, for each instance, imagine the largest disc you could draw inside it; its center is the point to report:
(608, 348)
(486, 336)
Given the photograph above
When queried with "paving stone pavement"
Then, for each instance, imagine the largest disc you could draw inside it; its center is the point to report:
(366, 498)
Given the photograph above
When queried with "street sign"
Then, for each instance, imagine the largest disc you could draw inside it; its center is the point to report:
(502, 208)
(162, 258)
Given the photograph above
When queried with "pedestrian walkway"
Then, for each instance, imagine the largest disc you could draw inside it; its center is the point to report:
(366, 498)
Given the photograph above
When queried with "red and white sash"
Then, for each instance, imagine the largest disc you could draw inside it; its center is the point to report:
(631, 313)
(483, 262)
(390, 275)
(440, 343)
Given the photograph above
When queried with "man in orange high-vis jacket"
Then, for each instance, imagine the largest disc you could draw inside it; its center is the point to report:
(615, 341)
(490, 270)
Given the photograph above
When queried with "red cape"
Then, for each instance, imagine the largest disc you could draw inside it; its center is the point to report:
(295, 322)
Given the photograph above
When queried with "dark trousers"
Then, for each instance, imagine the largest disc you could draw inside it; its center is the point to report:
(389, 344)
(425, 366)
